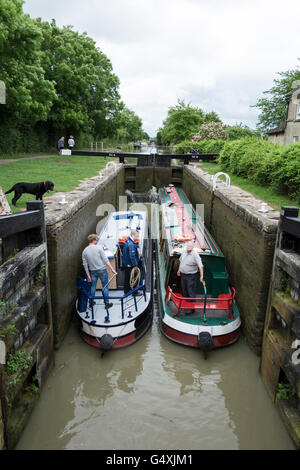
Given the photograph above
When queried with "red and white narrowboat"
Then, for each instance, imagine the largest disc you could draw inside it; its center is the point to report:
(131, 314)
(215, 320)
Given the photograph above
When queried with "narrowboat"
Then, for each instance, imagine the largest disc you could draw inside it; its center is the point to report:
(215, 319)
(131, 314)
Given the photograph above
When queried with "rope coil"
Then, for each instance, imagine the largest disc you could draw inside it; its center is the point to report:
(135, 277)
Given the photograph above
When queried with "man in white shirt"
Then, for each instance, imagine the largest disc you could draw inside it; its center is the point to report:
(190, 262)
(71, 142)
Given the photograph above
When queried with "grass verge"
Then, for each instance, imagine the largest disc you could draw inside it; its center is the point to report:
(26, 155)
(264, 193)
(65, 172)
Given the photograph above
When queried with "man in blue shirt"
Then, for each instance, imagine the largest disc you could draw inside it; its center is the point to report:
(131, 258)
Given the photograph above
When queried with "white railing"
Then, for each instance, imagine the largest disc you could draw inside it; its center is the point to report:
(96, 145)
(216, 176)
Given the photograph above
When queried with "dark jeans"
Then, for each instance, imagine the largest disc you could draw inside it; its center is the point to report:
(103, 276)
(188, 284)
(127, 287)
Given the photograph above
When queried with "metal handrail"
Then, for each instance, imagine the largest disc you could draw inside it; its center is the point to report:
(198, 300)
(121, 297)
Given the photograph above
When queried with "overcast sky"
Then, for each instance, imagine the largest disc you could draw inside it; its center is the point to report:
(219, 55)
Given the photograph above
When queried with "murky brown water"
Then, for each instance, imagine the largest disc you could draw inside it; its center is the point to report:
(154, 395)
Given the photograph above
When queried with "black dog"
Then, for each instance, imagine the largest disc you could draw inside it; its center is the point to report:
(38, 189)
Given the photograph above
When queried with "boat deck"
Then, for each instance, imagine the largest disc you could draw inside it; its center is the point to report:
(115, 312)
(198, 312)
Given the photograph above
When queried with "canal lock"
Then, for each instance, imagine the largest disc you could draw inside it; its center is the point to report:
(45, 313)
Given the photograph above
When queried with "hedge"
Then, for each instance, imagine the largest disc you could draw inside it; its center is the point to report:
(252, 158)
(261, 161)
(203, 146)
(264, 163)
(286, 177)
(16, 139)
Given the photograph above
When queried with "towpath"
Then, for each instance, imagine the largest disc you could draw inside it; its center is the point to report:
(10, 160)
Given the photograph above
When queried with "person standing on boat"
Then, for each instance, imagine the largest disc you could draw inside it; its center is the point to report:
(189, 261)
(131, 258)
(95, 261)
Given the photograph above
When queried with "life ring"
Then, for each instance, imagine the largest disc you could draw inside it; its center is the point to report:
(182, 238)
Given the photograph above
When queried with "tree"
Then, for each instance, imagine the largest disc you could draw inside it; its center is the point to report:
(87, 90)
(212, 131)
(240, 130)
(57, 83)
(29, 95)
(128, 125)
(183, 121)
(273, 105)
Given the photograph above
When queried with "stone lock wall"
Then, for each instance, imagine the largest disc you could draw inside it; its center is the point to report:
(247, 239)
(68, 226)
(280, 364)
(26, 335)
(141, 179)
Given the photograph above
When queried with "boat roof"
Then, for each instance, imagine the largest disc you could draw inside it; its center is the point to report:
(118, 225)
(181, 223)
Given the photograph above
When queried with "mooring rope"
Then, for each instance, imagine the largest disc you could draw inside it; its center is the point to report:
(135, 277)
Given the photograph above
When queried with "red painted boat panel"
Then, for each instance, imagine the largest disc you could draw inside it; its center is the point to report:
(192, 340)
(118, 343)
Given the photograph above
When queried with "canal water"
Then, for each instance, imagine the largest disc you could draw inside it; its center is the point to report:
(154, 395)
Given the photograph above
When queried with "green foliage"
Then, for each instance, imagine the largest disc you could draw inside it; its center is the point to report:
(17, 137)
(283, 280)
(32, 388)
(58, 83)
(240, 130)
(286, 176)
(40, 275)
(66, 172)
(284, 391)
(273, 105)
(253, 158)
(83, 78)
(183, 121)
(264, 162)
(18, 361)
(203, 146)
(29, 95)
(8, 331)
(128, 126)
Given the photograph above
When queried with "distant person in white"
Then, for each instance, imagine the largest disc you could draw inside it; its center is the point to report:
(71, 142)
(190, 262)
(94, 261)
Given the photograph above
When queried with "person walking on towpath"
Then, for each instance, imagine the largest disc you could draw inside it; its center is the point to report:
(189, 261)
(71, 142)
(61, 144)
(131, 258)
(95, 261)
